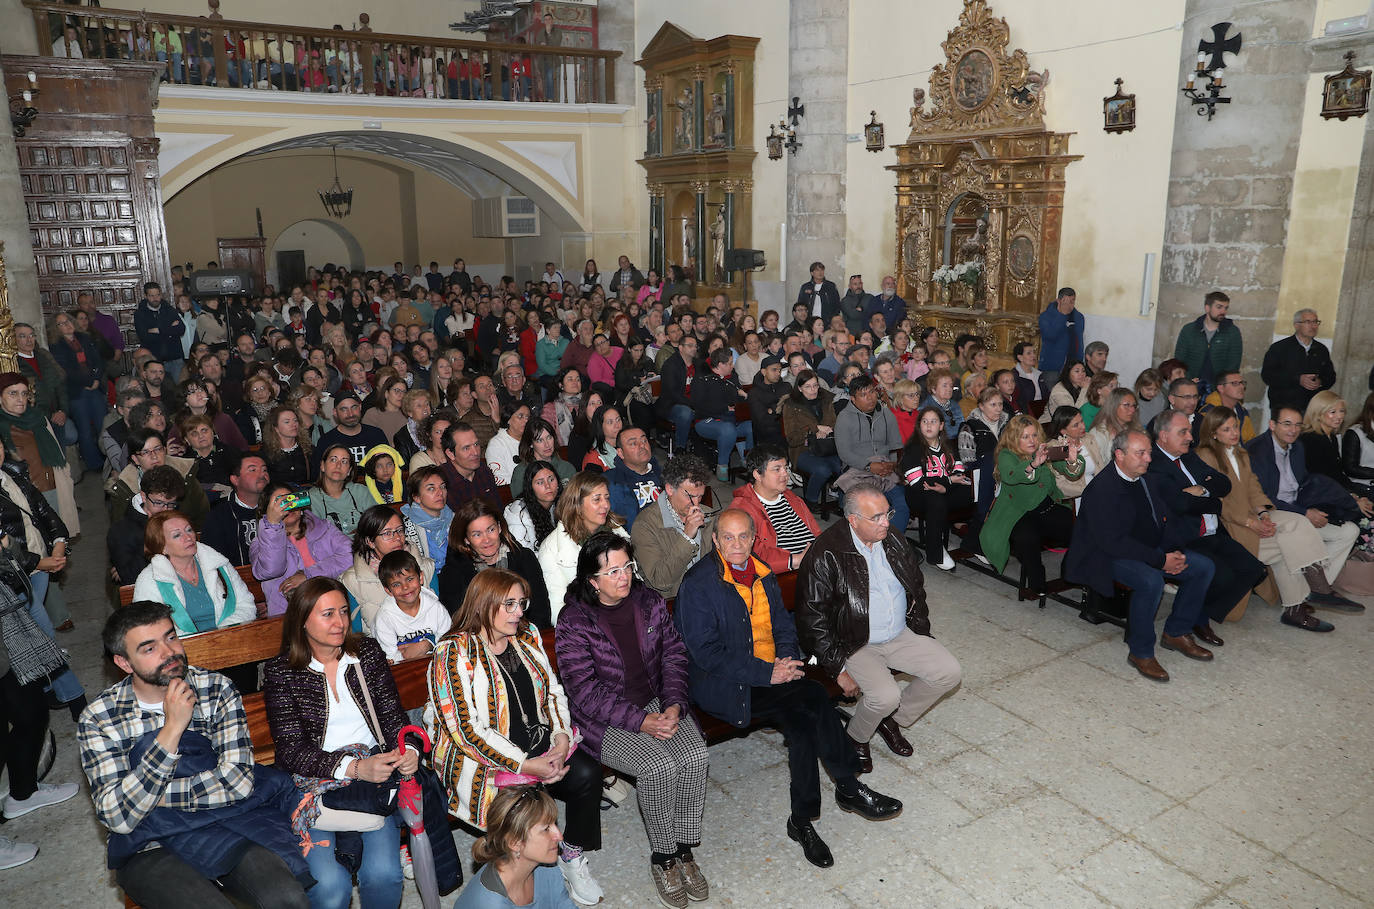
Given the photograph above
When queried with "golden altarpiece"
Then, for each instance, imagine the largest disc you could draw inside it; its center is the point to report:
(698, 154)
(980, 190)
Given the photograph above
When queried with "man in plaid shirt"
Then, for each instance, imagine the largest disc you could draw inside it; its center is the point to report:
(164, 696)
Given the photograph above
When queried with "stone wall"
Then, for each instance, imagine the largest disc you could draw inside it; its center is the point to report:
(818, 73)
(1231, 179)
(20, 271)
(1353, 347)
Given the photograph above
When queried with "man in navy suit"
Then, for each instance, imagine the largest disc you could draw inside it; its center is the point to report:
(1280, 465)
(1126, 532)
(1194, 491)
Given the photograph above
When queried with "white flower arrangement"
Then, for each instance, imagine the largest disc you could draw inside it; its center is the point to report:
(967, 272)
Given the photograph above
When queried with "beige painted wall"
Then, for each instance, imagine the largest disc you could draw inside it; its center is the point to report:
(1319, 214)
(285, 185)
(1114, 204)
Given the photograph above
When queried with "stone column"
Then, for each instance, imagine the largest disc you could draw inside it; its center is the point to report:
(729, 187)
(20, 271)
(699, 187)
(1231, 178)
(818, 71)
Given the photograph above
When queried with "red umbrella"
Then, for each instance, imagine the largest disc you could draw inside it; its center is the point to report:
(410, 801)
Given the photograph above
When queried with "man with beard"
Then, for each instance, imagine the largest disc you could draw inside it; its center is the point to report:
(349, 431)
(232, 524)
(134, 739)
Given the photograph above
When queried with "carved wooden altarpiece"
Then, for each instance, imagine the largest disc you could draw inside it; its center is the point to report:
(980, 180)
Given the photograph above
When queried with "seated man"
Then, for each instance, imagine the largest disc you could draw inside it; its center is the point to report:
(786, 527)
(1182, 397)
(1126, 532)
(465, 472)
(765, 402)
(869, 444)
(1280, 465)
(861, 611)
(1194, 490)
(160, 489)
(636, 479)
(745, 666)
(148, 449)
(672, 534)
(233, 523)
(1229, 393)
(138, 741)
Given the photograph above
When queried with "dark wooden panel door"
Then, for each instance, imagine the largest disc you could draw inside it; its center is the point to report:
(246, 253)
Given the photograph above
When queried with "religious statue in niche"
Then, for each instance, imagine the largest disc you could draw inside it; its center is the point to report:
(718, 246)
(975, 246)
(684, 136)
(689, 245)
(715, 122)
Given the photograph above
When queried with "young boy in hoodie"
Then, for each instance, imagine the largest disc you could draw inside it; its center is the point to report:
(411, 620)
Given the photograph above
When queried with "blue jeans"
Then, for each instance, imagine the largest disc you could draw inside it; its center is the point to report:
(901, 511)
(87, 414)
(177, 75)
(680, 415)
(174, 368)
(1147, 587)
(550, 80)
(65, 686)
(727, 433)
(379, 877)
(818, 469)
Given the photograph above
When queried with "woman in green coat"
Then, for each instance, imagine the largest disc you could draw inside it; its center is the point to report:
(1028, 512)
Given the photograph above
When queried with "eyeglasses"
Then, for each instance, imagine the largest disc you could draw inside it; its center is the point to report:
(619, 571)
(516, 607)
(1241, 382)
(885, 517)
(1309, 321)
(392, 532)
(151, 451)
(1184, 397)
(1288, 423)
(160, 503)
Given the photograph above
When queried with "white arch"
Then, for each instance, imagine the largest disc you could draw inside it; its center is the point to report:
(357, 260)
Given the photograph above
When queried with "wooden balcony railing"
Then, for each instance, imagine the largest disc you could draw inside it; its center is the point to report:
(253, 55)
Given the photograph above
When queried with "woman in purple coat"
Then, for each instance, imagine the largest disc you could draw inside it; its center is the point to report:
(624, 669)
(293, 545)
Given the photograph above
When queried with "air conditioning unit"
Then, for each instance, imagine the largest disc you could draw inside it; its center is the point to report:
(505, 216)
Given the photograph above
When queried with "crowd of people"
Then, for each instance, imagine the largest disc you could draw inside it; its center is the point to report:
(424, 466)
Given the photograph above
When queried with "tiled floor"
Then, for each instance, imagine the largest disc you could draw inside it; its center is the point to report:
(1054, 777)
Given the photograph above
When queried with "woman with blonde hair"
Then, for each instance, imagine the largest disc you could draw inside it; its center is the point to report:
(417, 406)
(307, 401)
(286, 449)
(517, 855)
(1119, 410)
(500, 709)
(582, 510)
(1322, 425)
(1283, 540)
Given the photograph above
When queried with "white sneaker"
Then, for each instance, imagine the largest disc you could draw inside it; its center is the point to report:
(946, 562)
(581, 885)
(46, 794)
(13, 854)
(794, 478)
(407, 866)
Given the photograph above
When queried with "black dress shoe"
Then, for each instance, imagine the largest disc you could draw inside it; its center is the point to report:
(1206, 635)
(893, 738)
(865, 756)
(1333, 601)
(813, 847)
(870, 805)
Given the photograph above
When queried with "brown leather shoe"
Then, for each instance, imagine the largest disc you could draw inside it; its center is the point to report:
(893, 738)
(1185, 645)
(1148, 667)
(1205, 634)
(865, 756)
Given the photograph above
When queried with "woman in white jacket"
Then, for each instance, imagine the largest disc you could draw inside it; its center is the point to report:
(204, 591)
(503, 451)
(584, 508)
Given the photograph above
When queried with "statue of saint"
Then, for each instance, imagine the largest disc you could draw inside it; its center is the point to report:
(718, 246)
(715, 121)
(684, 135)
(918, 98)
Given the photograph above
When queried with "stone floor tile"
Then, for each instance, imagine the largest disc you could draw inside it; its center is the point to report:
(972, 718)
(1109, 795)
(979, 782)
(1335, 854)
(1281, 885)
(1060, 893)
(1128, 874)
(1196, 843)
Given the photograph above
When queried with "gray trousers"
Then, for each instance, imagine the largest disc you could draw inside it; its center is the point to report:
(934, 672)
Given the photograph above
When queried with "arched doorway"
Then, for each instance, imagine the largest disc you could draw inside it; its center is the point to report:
(311, 241)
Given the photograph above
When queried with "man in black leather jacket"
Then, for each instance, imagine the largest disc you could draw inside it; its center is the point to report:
(861, 611)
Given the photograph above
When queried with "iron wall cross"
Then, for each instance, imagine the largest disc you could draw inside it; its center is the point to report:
(1219, 46)
(797, 110)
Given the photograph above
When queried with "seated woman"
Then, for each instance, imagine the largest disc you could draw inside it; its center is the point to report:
(334, 713)
(1071, 389)
(408, 440)
(432, 431)
(634, 376)
(381, 530)
(307, 401)
(972, 385)
(258, 400)
(808, 421)
(1099, 386)
(291, 546)
(383, 409)
(427, 509)
(715, 393)
(624, 668)
(906, 406)
(29, 435)
(211, 458)
(1148, 386)
(531, 515)
(1028, 512)
(1357, 446)
(196, 401)
(580, 436)
(503, 451)
(517, 855)
(382, 474)
(601, 364)
(940, 382)
(936, 483)
(562, 411)
(1119, 411)
(499, 707)
(977, 442)
(1065, 427)
(335, 497)
(286, 450)
(479, 539)
(1285, 541)
(583, 509)
(1321, 428)
(539, 443)
(606, 423)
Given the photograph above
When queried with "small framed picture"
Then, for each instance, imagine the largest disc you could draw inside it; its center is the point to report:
(1346, 93)
(1118, 111)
